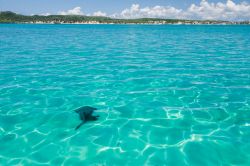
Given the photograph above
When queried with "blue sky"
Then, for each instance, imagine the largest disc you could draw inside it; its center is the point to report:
(111, 7)
(90, 6)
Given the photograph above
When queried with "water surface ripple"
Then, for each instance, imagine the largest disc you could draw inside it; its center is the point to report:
(166, 95)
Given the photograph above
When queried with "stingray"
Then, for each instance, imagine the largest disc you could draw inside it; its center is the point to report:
(85, 114)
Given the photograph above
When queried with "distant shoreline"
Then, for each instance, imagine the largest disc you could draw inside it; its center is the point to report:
(1, 23)
(13, 18)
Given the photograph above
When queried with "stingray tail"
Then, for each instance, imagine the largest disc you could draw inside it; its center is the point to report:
(77, 127)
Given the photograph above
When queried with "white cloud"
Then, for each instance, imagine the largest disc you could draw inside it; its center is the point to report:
(228, 10)
(99, 13)
(205, 10)
(223, 11)
(149, 12)
(75, 11)
(45, 14)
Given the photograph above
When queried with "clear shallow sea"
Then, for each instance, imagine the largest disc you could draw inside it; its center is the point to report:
(166, 95)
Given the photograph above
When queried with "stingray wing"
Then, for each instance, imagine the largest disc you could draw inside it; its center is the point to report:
(78, 110)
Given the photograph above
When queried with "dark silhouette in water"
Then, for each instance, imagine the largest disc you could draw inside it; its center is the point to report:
(85, 114)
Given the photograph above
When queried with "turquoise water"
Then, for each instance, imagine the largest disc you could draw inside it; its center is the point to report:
(166, 95)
